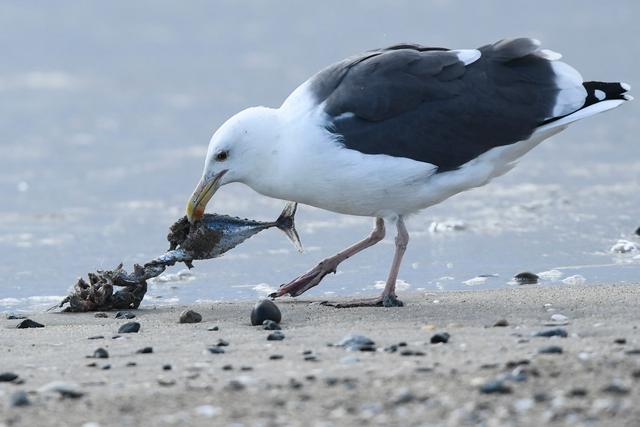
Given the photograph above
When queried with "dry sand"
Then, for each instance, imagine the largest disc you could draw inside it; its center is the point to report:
(595, 381)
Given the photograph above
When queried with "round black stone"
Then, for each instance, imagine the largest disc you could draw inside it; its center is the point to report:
(265, 310)
(129, 328)
(101, 353)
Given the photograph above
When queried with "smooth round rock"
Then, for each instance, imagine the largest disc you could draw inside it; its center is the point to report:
(265, 310)
(100, 353)
(129, 328)
(190, 316)
(526, 278)
(442, 337)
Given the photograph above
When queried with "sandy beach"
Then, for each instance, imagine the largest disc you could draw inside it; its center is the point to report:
(303, 381)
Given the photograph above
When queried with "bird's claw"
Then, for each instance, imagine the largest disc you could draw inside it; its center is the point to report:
(303, 283)
(389, 300)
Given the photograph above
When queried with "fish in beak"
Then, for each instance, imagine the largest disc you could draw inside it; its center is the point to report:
(206, 188)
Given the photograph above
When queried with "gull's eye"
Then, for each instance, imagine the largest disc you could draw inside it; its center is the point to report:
(222, 156)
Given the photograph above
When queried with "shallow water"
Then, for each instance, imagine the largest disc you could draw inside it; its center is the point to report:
(107, 109)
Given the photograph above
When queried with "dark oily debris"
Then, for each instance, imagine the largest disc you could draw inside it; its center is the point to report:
(190, 316)
(615, 388)
(145, 350)
(357, 343)
(501, 323)
(222, 343)
(19, 398)
(275, 336)
(14, 316)
(495, 387)
(441, 337)
(620, 341)
(526, 278)
(270, 325)
(125, 315)
(100, 353)
(552, 349)
(6, 377)
(28, 323)
(96, 337)
(265, 310)
(276, 357)
(557, 332)
(214, 349)
(166, 367)
(101, 315)
(129, 328)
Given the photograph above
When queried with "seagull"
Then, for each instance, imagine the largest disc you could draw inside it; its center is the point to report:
(389, 132)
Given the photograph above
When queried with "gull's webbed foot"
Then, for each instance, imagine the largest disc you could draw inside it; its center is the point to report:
(308, 280)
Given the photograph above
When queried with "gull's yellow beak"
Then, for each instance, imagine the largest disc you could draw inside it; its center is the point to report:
(201, 196)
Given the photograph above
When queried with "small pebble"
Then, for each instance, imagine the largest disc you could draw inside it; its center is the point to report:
(96, 337)
(391, 349)
(145, 350)
(558, 332)
(65, 390)
(270, 325)
(190, 316)
(227, 368)
(275, 336)
(559, 317)
(276, 357)
(578, 392)
(125, 315)
(441, 337)
(246, 368)
(495, 387)
(6, 377)
(633, 352)
(106, 367)
(501, 323)
(213, 328)
(129, 328)
(620, 341)
(13, 316)
(214, 349)
(166, 382)
(310, 358)
(234, 385)
(636, 374)
(92, 365)
(357, 343)
(19, 398)
(265, 310)
(100, 353)
(411, 353)
(28, 323)
(614, 388)
(552, 349)
(222, 343)
(131, 364)
(101, 315)
(526, 278)
(166, 367)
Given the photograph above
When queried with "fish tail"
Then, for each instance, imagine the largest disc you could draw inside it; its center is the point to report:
(286, 223)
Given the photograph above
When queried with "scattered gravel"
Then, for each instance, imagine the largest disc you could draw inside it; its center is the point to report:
(190, 316)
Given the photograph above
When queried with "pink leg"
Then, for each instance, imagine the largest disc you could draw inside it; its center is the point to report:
(388, 297)
(313, 277)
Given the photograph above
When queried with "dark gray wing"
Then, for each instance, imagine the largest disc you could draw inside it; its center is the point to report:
(425, 104)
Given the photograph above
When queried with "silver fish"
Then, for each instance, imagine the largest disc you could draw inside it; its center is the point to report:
(215, 234)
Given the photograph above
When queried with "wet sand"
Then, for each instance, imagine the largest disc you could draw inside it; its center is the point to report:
(594, 381)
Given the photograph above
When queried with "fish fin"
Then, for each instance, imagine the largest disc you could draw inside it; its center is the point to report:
(286, 223)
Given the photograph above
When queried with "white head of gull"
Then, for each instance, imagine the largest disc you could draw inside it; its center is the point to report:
(392, 131)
